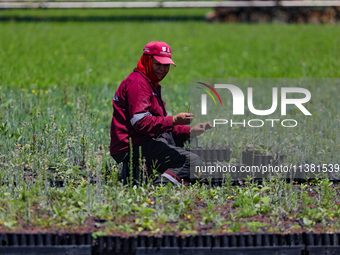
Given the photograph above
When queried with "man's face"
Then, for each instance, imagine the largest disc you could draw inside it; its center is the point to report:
(160, 69)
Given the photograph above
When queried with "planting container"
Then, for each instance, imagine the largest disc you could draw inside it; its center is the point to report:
(202, 244)
(213, 155)
(322, 244)
(251, 158)
(53, 244)
(228, 244)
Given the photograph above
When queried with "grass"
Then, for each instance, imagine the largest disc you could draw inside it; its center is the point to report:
(57, 80)
(90, 53)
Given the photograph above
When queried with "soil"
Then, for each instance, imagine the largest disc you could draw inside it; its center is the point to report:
(283, 224)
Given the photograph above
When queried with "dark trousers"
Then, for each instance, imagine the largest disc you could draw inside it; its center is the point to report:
(162, 154)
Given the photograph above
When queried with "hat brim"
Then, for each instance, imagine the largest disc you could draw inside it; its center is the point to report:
(164, 60)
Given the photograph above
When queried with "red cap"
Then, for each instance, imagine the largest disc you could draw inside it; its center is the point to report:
(160, 51)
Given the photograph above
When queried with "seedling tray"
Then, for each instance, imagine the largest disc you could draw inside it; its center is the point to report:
(223, 251)
(213, 155)
(49, 244)
(251, 158)
(228, 244)
(48, 250)
(202, 244)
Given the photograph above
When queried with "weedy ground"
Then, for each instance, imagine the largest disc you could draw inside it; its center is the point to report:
(57, 80)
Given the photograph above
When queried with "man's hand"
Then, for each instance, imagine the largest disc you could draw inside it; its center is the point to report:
(199, 129)
(183, 118)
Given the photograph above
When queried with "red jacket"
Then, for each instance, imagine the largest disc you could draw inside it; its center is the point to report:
(139, 112)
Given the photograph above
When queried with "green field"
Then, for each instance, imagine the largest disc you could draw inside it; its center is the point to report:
(57, 80)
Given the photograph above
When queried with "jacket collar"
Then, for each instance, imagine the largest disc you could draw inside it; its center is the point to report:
(146, 78)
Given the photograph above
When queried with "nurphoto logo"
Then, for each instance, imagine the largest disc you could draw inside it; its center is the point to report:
(288, 128)
(238, 107)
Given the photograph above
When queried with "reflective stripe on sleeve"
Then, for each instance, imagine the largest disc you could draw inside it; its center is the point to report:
(139, 116)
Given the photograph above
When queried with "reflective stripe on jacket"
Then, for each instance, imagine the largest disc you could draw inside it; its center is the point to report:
(139, 112)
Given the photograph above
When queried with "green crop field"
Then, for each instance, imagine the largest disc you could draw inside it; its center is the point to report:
(57, 80)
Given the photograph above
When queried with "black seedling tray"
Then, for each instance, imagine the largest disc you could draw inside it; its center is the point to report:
(251, 158)
(213, 155)
(233, 244)
(50, 244)
(202, 244)
(47, 250)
